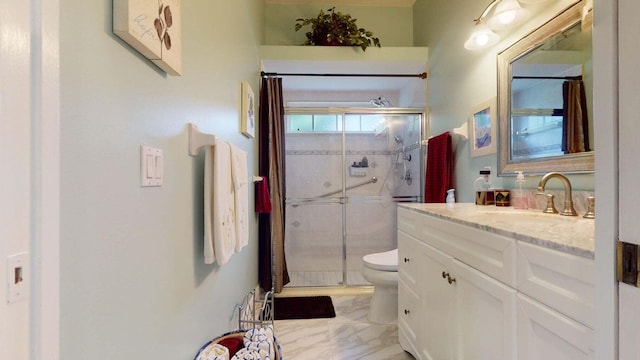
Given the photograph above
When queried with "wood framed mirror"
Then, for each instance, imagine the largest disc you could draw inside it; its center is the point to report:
(545, 98)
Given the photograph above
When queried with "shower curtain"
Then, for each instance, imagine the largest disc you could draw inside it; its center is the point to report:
(575, 124)
(272, 268)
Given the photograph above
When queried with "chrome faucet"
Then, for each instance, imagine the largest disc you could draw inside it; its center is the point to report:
(568, 201)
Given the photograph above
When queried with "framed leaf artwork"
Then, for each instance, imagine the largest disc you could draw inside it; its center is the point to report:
(153, 28)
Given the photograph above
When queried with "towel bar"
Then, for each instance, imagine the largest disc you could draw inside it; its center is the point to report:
(198, 139)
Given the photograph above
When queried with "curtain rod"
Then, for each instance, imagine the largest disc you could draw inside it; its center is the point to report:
(579, 77)
(268, 74)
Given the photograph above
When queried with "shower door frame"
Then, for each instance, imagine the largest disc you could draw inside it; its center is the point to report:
(343, 199)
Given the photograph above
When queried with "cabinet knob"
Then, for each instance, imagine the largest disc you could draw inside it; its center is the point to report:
(406, 260)
(445, 274)
(450, 279)
(407, 312)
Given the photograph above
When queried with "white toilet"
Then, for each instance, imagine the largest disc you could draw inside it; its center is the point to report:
(381, 269)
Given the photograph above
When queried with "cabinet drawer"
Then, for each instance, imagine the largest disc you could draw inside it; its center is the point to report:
(493, 254)
(562, 281)
(546, 334)
(410, 221)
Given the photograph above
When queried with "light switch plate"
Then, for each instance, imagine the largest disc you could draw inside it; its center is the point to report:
(151, 166)
(17, 277)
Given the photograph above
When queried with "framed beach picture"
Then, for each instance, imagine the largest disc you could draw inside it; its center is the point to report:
(153, 28)
(248, 121)
(482, 128)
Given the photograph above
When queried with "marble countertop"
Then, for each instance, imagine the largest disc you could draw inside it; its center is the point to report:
(570, 234)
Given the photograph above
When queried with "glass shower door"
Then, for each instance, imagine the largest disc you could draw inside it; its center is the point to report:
(389, 145)
(314, 211)
(345, 173)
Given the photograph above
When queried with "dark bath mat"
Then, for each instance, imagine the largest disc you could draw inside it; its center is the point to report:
(304, 307)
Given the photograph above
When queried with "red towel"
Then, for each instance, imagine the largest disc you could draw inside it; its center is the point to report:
(439, 174)
(263, 199)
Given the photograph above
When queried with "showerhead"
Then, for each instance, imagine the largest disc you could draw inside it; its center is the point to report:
(398, 140)
(380, 102)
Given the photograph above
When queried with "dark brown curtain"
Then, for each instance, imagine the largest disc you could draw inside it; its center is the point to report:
(575, 129)
(272, 266)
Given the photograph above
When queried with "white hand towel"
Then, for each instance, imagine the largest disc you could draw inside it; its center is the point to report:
(239, 174)
(261, 340)
(214, 352)
(246, 354)
(219, 205)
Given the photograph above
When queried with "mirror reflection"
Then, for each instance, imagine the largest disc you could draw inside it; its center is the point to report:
(550, 111)
(545, 99)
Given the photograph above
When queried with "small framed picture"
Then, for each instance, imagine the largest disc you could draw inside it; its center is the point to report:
(482, 128)
(248, 125)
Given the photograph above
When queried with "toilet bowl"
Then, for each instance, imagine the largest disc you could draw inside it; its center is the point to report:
(381, 269)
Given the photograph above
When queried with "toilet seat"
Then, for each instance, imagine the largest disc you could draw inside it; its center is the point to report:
(383, 261)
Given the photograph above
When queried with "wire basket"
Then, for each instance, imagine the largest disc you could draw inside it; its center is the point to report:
(254, 312)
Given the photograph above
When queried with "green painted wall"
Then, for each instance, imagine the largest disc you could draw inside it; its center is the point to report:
(460, 79)
(133, 281)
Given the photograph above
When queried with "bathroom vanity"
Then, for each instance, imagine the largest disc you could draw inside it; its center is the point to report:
(483, 282)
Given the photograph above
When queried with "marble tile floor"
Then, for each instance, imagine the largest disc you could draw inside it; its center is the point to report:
(325, 278)
(348, 336)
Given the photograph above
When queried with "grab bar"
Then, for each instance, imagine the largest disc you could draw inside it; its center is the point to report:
(298, 202)
(373, 180)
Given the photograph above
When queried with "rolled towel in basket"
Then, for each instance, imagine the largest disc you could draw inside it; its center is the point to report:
(214, 352)
(261, 340)
(247, 354)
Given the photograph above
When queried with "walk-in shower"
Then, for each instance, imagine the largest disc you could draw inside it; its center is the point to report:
(346, 169)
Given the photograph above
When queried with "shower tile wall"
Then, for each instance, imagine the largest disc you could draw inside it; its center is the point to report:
(314, 231)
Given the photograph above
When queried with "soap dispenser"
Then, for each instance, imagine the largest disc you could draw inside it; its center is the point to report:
(451, 197)
(520, 200)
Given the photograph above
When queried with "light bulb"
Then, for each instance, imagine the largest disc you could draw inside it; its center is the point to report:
(482, 39)
(507, 17)
(507, 13)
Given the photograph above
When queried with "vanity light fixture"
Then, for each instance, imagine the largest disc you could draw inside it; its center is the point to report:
(498, 15)
(481, 37)
(507, 13)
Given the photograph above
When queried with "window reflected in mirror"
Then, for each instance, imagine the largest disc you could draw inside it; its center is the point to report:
(549, 105)
(545, 97)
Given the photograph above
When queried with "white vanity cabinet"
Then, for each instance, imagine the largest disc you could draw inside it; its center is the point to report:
(464, 313)
(468, 293)
(555, 304)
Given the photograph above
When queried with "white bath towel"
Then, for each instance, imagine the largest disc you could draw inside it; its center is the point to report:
(214, 352)
(261, 340)
(247, 354)
(219, 205)
(239, 174)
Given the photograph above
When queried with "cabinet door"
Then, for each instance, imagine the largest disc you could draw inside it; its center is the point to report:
(485, 311)
(437, 337)
(410, 262)
(544, 333)
(408, 318)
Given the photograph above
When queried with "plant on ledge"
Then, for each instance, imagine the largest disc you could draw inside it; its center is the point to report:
(336, 29)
